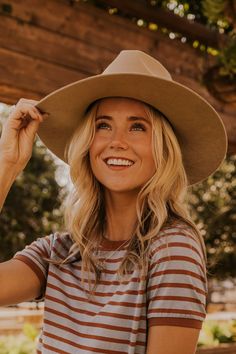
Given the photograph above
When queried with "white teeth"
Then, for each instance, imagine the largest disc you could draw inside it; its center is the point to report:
(119, 162)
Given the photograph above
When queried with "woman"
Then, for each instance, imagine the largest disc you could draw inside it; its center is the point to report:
(128, 274)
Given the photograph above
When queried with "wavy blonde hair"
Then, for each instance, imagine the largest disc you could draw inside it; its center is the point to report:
(160, 201)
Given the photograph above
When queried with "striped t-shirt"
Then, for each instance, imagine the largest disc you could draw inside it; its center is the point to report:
(116, 319)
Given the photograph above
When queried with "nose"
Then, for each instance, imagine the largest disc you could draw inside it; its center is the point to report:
(118, 140)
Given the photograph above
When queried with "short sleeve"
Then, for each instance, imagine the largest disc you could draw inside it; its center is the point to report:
(177, 286)
(35, 254)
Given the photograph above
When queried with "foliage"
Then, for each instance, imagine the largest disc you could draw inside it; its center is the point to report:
(213, 9)
(214, 333)
(218, 15)
(23, 343)
(227, 59)
(33, 205)
(213, 207)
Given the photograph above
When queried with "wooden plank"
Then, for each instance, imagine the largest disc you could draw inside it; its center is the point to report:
(221, 349)
(76, 54)
(113, 31)
(95, 27)
(54, 43)
(80, 21)
(49, 46)
(11, 94)
(181, 60)
(40, 43)
(34, 74)
(168, 19)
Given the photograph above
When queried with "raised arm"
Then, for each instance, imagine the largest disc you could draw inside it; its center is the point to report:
(16, 142)
(17, 281)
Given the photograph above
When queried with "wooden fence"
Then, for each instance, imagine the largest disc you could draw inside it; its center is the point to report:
(222, 349)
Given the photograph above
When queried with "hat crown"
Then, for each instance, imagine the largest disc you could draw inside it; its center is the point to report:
(136, 61)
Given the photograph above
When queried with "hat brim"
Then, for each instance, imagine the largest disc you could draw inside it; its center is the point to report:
(198, 127)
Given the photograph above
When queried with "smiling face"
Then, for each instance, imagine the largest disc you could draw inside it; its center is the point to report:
(121, 155)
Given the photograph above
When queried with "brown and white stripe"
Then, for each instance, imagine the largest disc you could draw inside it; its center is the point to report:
(117, 318)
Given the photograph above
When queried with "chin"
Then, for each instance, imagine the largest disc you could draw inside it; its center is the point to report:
(122, 189)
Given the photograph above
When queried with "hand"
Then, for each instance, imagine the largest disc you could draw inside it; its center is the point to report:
(18, 134)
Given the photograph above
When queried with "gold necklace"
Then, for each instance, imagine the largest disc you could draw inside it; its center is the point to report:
(101, 264)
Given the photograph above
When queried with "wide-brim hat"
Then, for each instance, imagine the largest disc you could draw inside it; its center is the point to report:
(135, 74)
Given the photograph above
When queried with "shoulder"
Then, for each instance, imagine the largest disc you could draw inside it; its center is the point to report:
(176, 230)
(60, 244)
(177, 238)
(56, 244)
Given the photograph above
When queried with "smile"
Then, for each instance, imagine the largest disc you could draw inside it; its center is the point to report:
(119, 162)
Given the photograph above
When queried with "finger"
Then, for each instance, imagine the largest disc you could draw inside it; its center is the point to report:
(42, 112)
(23, 110)
(26, 100)
(30, 114)
(32, 129)
(16, 123)
(38, 113)
(32, 102)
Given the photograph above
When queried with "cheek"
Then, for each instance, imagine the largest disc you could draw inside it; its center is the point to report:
(92, 154)
(98, 144)
(149, 160)
(151, 167)
(95, 152)
(94, 149)
(93, 166)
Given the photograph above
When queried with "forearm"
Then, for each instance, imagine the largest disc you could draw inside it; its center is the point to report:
(7, 178)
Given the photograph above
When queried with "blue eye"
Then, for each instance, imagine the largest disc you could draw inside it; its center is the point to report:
(138, 126)
(102, 125)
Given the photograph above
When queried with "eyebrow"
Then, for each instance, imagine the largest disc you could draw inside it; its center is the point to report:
(130, 118)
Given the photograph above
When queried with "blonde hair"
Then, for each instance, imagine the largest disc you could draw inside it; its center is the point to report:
(159, 202)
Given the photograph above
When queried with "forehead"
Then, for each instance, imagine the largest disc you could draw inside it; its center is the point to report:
(121, 105)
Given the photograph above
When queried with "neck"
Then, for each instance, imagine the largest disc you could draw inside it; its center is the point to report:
(120, 215)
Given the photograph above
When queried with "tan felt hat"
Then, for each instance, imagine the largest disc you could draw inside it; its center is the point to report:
(135, 74)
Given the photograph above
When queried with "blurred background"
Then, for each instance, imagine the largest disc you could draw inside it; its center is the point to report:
(47, 44)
